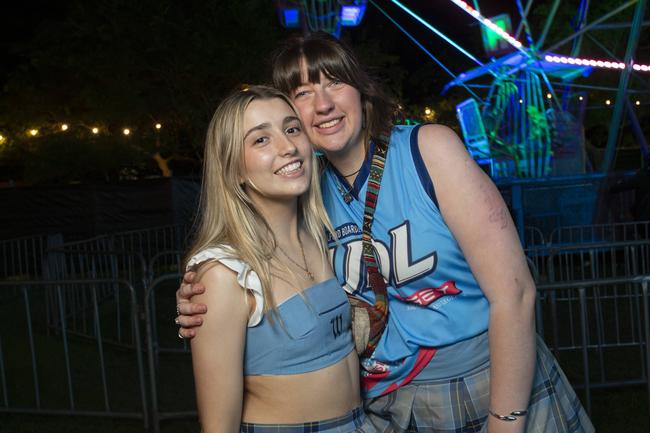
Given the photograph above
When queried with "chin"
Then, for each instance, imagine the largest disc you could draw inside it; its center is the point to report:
(332, 148)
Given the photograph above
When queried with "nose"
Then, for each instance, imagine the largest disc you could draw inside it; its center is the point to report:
(323, 102)
(286, 147)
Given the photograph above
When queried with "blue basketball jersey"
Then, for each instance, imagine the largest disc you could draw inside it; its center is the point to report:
(434, 300)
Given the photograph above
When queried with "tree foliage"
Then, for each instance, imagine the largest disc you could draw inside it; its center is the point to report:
(120, 63)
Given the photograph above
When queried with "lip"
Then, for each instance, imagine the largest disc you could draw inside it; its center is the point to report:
(299, 171)
(332, 129)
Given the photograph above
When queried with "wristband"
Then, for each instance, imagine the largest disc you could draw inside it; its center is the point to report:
(511, 417)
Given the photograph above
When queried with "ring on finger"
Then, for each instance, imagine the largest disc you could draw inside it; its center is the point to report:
(180, 335)
(177, 321)
(178, 309)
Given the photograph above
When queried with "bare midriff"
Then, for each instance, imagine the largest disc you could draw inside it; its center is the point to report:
(318, 395)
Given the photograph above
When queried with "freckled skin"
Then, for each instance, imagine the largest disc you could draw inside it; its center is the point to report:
(498, 213)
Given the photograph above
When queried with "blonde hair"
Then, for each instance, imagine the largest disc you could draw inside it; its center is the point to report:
(228, 216)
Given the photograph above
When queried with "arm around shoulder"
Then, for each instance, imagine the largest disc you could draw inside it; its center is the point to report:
(218, 350)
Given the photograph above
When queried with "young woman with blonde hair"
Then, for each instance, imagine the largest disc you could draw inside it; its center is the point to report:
(274, 352)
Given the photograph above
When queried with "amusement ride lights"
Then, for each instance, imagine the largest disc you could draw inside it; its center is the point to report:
(490, 25)
(584, 62)
(594, 63)
(548, 57)
(438, 32)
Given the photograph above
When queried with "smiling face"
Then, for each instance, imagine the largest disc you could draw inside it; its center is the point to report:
(277, 162)
(332, 113)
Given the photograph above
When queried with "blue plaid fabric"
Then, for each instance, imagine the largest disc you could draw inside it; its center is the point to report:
(355, 421)
(460, 405)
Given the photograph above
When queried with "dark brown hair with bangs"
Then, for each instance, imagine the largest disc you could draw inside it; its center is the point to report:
(324, 53)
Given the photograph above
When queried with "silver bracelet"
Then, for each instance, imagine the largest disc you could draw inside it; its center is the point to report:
(512, 417)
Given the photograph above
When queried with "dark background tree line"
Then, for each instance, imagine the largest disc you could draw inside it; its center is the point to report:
(117, 63)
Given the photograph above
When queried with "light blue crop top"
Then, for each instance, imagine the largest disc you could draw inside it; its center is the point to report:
(315, 333)
(315, 330)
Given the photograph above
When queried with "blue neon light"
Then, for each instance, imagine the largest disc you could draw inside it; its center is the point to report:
(352, 15)
(438, 32)
(292, 18)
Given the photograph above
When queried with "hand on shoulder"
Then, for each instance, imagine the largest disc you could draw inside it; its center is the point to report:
(224, 297)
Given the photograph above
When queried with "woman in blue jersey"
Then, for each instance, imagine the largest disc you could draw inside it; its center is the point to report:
(276, 335)
(447, 249)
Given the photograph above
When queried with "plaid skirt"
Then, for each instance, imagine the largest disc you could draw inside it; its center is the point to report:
(460, 405)
(354, 421)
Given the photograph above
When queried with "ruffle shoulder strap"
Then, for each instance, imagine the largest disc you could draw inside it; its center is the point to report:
(246, 277)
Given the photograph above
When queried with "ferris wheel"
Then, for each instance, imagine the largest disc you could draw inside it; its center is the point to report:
(528, 122)
(325, 15)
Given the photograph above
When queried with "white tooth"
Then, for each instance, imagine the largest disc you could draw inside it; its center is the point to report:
(329, 124)
(289, 168)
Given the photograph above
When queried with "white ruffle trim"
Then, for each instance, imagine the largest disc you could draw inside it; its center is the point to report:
(246, 277)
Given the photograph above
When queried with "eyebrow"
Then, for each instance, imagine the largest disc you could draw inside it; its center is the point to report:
(261, 126)
(267, 125)
(290, 119)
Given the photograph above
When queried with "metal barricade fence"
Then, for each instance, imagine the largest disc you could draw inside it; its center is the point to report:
(21, 258)
(593, 319)
(64, 265)
(147, 242)
(606, 322)
(67, 374)
(166, 262)
(533, 237)
(167, 356)
(165, 265)
(61, 264)
(150, 242)
(615, 232)
(589, 261)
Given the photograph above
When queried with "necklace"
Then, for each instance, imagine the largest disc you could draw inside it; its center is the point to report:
(304, 268)
(353, 173)
(346, 192)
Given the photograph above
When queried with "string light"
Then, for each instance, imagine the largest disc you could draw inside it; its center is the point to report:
(595, 63)
(45, 130)
(608, 102)
(488, 23)
(549, 96)
(521, 101)
(581, 98)
(427, 111)
(638, 102)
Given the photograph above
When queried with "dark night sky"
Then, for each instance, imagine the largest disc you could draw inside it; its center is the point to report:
(22, 19)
